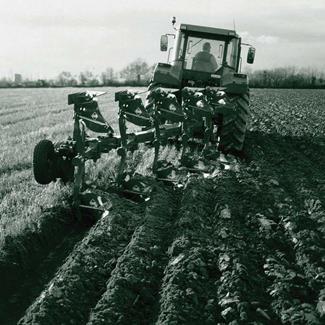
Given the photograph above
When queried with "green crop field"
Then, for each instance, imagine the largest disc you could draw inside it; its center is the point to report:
(245, 246)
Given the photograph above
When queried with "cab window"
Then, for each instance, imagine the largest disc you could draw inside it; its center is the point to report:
(232, 53)
(203, 54)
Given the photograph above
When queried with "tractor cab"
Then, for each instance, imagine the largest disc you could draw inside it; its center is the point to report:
(202, 56)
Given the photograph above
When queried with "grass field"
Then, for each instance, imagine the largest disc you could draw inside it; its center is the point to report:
(245, 246)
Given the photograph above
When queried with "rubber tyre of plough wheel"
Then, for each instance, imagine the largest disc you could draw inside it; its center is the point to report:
(233, 129)
(43, 162)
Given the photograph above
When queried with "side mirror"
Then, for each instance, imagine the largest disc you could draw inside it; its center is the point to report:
(251, 55)
(164, 43)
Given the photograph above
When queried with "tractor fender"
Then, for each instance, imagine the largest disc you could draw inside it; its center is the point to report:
(166, 74)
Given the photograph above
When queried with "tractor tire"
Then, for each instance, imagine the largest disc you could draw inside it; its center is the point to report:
(43, 162)
(233, 128)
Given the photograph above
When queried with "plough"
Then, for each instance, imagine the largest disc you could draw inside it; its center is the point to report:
(165, 120)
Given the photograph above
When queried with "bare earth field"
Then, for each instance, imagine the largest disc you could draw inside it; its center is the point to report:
(244, 247)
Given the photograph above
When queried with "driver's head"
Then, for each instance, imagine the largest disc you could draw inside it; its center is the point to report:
(206, 47)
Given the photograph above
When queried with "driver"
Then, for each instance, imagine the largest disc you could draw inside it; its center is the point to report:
(204, 60)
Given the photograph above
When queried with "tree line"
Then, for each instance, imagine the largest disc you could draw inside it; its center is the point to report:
(287, 77)
(139, 73)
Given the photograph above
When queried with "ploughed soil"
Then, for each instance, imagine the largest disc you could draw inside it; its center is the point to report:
(242, 245)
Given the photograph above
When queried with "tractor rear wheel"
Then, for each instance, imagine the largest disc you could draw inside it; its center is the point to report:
(233, 128)
(44, 162)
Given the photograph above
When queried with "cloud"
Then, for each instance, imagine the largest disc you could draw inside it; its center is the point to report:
(260, 39)
(267, 39)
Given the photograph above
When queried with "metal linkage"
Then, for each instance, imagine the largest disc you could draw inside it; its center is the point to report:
(168, 117)
(220, 102)
(199, 115)
(165, 119)
(87, 115)
(86, 109)
(162, 122)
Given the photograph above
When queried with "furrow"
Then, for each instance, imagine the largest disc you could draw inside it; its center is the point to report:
(132, 290)
(188, 287)
(22, 253)
(80, 281)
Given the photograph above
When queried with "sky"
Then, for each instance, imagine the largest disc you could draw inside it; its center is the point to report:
(41, 38)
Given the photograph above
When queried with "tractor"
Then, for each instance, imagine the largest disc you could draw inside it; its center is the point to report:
(185, 70)
(198, 95)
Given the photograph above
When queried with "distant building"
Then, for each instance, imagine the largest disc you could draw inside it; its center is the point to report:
(18, 78)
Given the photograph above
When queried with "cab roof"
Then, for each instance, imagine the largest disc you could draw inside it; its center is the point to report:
(209, 30)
